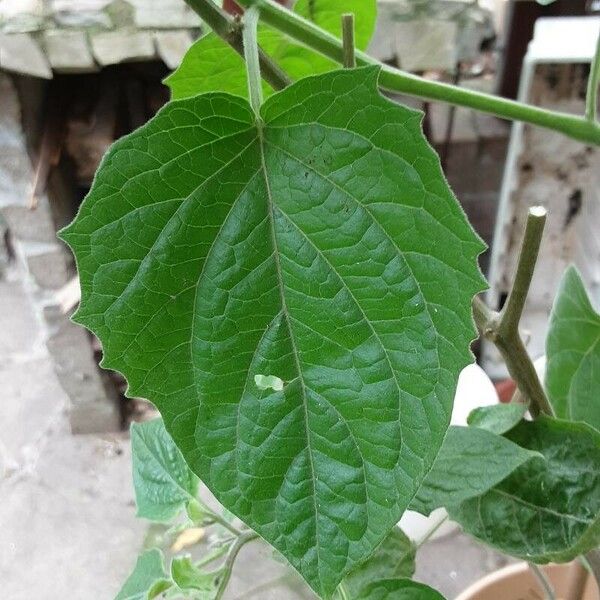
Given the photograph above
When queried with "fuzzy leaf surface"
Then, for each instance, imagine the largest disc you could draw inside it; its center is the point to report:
(210, 64)
(498, 418)
(394, 558)
(573, 353)
(147, 580)
(470, 462)
(321, 246)
(546, 511)
(162, 480)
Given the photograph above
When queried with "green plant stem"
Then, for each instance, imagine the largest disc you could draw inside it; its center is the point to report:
(242, 540)
(250, 37)
(503, 328)
(211, 557)
(394, 80)
(225, 524)
(510, 315)
(343, 592)
(591, 98)
(230, 31)
(549, 593)
(348, 41)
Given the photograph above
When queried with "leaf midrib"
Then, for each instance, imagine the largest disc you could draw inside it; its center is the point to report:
(542, 509)
(285, 312)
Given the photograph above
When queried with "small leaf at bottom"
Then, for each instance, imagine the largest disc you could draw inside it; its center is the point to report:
(148, 579)
(163, 482)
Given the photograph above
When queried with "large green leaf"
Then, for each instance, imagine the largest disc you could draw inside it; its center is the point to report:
(470, 462)
(547, 510)
(147, 580)
(573, 353)
(322, 247)
(163, 482)
(395, 557)
(399, 589)
(211, 64)
(498, 418)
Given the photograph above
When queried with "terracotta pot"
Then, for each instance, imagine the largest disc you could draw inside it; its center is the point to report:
(517, 582)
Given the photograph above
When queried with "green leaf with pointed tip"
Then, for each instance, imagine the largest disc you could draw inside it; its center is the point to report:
(148, 579)
(573, 353)
(395, 557)
(188, 577)
(498, 418)
(163, 482)
(470, 462)
(321, 246)
(399, 589)
(210, 64)
(546, 511)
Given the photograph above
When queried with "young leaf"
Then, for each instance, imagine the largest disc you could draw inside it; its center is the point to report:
(399, 589)
(148, 579)
(470, 462)
(321, 246)
(163, 482)
(188, 577)
(573, 353)
(395, 557)
(498, 418)
(211, 64)
(546, 511)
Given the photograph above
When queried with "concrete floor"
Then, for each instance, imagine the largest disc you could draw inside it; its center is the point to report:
(67, 525)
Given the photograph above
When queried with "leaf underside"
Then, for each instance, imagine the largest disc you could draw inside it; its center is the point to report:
(546, 511)
(162, 480)
(322, 247)
(148, 578)
(573, 353)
